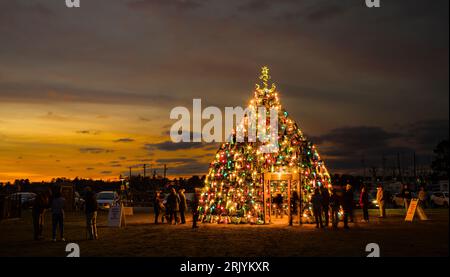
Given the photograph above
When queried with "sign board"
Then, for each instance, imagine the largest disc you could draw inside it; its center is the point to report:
(413, 206)
(421, 213)
(116, 216)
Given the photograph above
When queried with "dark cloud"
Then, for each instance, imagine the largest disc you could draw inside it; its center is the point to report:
(90, 168)
(194, 167)
(88, 132)
(347, 148)
(145, 160)
(141, 118)
(106, 172)
(116, 165)
(95, 150)
(53, 116)
(38, 92)
(362, 137)
(124, 140)
(427, 134)
(176, 160)
(171, 146)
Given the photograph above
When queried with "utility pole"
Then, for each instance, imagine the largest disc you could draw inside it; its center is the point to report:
(165, 170)
(130, 172)
(144, 169)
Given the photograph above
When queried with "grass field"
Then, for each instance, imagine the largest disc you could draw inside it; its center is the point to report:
(142, 238)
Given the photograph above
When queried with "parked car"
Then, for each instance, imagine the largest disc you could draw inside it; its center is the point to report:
(107, 199)
(439, 199)
(26, 198)
(397, 199)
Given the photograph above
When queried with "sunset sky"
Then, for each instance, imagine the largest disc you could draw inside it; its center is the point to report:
(87, 92)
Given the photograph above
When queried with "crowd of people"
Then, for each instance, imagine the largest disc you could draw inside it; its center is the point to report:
(168, 209)
(326, 206)
(53, 201)
(327, 203)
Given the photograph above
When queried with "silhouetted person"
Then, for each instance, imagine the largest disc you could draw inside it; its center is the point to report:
(325, 204)
(364, 203)
(194, 206)
(158, 207)
(278, 200)
(38, 214)
(183, 205)
(164, 209)
(347, 204)
(317, 203)
(406, 194)
(294, 207)
(173, 202)
(381, 201)
(422, 197)
(57, 207)
(334, 205)
(91, 208)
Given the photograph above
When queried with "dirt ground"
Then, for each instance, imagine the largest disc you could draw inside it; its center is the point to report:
(142, 238)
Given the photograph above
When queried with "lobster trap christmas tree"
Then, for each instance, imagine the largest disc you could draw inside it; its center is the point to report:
(233, 191)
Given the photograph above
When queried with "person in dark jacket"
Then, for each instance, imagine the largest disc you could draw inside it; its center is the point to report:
(294, 207)
(334, 205)
(183, 205)
(194, 206)
(173, 203)
(406, 194)
(278, 201)
(57, 206)
(91, 208)
(317, 203)
(347, 204)
(364, 203)
(325, 204)
(38, 214)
